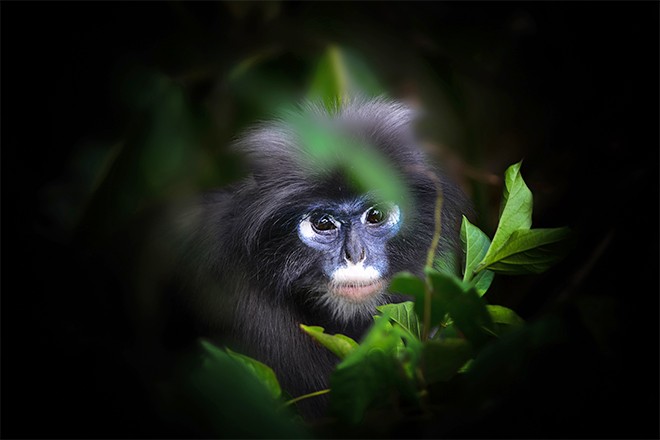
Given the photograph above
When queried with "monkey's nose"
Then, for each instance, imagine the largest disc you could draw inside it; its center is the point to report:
(355, 254)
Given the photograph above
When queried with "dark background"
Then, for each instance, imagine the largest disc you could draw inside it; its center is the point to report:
(570, 87)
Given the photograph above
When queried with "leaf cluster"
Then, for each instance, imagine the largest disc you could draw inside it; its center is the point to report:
(449, 331)
(403, 357)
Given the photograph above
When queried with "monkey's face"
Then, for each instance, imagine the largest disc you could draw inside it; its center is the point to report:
(351, 241)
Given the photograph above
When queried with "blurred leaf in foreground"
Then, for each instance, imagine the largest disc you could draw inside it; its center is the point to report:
(221, 397)
(339, 344)
(370, 374)
(261, 371)
(341, 73)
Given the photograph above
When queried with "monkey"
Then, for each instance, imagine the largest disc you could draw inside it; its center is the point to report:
(293, 244)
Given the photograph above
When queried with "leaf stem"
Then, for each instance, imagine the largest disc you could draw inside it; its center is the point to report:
(437, 230)
(426, 324)
(430, 257)
(307, 396)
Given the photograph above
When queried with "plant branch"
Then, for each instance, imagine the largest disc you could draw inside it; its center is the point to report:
(306, 396)
(437, 231)
(430, 257)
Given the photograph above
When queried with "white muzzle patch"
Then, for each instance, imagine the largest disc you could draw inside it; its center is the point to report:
(355, 274)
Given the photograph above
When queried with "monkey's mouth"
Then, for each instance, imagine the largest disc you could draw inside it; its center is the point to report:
(357, 291)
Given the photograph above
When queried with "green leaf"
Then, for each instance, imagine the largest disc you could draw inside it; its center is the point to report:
(507, 359)
(404, 315)
(369, 375)
(339, 344)
(325, 150)
(466, 308)
(405, 283)
(223, 398)
(443, 359)
(475, 244)
(516, 211)
(261, 371)
(531, 251)
(340, 74)
(505, 319)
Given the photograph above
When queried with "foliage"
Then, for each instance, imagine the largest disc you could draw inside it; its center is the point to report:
(449, 329)
(396, 359)
(96, 147)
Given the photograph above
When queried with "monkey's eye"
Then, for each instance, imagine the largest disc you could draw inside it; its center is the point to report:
(322, 222)
(375, 215)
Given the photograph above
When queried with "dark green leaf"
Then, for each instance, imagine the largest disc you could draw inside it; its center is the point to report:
(504, 315)
(223, 398)
(405, 283)
(262, 372)
(507, 359)
(339, 344)
(466, 308)
(369, 375)
(506, 320)
(443, 359)
(404, 315)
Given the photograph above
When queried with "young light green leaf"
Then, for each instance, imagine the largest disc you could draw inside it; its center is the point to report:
(404, 315)
(443, 359)
(482, 281)
(504, 315)
(262, 371)
(515, 214)
(475, 245)
(531, 251)
(339, 344)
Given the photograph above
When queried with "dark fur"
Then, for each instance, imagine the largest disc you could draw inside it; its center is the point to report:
(250, 272)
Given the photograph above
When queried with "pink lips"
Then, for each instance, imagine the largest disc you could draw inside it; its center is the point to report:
(357, 291)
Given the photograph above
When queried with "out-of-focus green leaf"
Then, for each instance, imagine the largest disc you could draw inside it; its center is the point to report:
(404, 315)
(515, 214)
(408, 284)
(502, 363)
(341, 74)
(371, 373)
(327, 150)
(504, 315)
(530, 251)
(466, 308)
(505, 319)
(405, 283)
(475, 245)
(263, 372)
(339, 344)
(222, 398)
(443, 359)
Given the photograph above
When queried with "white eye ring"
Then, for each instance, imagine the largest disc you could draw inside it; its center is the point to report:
(393, 215)
(307, 229)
